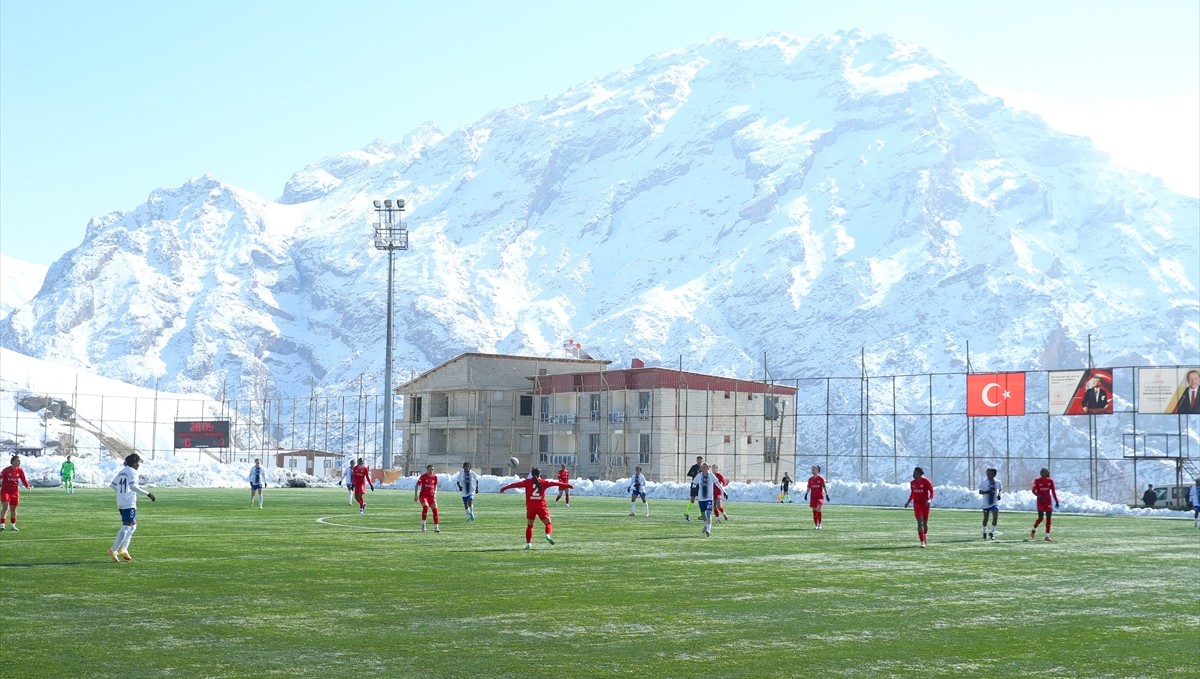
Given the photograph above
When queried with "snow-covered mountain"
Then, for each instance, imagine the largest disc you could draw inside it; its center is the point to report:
(19, 282)
(799, 198)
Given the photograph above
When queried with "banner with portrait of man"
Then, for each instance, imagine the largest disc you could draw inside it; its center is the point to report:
(1169, 390)
(1081, 392)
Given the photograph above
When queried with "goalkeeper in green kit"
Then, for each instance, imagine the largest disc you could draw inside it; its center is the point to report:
(68, 476)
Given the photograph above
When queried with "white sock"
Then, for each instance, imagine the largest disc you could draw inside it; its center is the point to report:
(632, 507)
(120, 538)
(128, 536)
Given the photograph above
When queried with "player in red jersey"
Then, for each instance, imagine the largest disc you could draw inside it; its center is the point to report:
(360, 478)
(719, 496)
(11, 479)
(920, 496)
(425, 492)
(564, 476)
(817, 494)
(535, 502)
(1044, 491)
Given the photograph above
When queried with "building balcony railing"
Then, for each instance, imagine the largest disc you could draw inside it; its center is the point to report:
(618, 416)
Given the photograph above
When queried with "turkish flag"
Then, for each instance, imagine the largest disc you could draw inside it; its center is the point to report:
(991, 394)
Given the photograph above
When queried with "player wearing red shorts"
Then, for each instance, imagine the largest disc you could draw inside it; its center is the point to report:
(11, 479)
(360, 478)
(1043, 490)
(564, 476)
(817, 494)
(719, 495)
(425, 492)
(535, 502)
(920, 496)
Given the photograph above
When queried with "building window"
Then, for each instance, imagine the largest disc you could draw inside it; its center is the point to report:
(593, 444)
(526, 406)
(750, 397)
(643, 449)
(643, 405)
(594, 406)
(771, 408)
(499, 436)
(414, 409)
(544, 409)
(543, 443)
(770, 449)
(291, 463)
(728, 438)
(727, 394)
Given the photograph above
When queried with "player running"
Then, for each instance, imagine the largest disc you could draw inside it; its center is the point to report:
(11, 479)
(817, 494)
(258, 479)
(1044, 491)
(719, 495)
(990, 490)
(564, 476)
(535, 502)
(360, 478)
(67, 474)
(425, 492)
(704, 487)
(637, 489)
(468, 483)
(126, 483)
(920, 497)
(691, 474)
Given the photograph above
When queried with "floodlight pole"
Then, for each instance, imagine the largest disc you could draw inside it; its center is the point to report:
(391, 234)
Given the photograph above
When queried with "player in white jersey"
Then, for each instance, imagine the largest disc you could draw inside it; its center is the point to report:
(468, 483)
(348, 482)
(704, 485)
(258, 480)
(637, 489)
(127, 487)
(990, 490)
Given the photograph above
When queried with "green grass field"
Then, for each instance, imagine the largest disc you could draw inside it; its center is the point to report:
(307, 587)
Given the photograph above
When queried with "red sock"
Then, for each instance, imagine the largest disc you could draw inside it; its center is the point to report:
(424, 512)
(435, 519)
(529, 533)
(1038, 522)
(362, 503)
(1047, 524)
(549, 528)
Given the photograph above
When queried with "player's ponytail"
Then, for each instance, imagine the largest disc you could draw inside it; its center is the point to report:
(536, 475)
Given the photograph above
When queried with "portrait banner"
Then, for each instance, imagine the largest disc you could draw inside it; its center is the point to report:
(1081, 392)
(1169, 391)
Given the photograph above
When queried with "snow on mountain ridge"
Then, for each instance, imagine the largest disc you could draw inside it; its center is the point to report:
(716, 202)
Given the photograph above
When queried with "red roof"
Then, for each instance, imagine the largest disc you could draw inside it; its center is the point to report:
(651, 378)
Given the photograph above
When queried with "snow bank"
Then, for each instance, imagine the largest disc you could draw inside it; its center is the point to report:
(170, 471)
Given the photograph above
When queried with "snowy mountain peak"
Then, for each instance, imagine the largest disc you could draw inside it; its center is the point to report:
(800, 198)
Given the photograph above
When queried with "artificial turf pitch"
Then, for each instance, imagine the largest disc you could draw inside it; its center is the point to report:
(306, 587)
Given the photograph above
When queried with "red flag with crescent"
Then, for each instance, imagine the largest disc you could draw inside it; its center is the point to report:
(990, 394)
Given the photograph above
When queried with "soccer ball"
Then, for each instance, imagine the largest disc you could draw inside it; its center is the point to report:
(513, 462)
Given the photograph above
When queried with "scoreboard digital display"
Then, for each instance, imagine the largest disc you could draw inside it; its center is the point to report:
(206, 434)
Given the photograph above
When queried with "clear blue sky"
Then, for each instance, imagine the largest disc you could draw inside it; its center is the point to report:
(102, 102)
